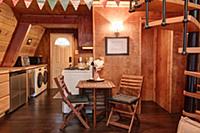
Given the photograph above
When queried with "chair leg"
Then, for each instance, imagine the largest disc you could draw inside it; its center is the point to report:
(82, 121)
(131, 124)
(110, 115)
(85, 116)
(137, 118)
(78, 114)
(66, 120)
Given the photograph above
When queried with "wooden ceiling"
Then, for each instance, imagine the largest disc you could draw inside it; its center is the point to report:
(20, 8)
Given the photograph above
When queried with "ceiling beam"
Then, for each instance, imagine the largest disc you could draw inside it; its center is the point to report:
(49, 19)
(13, 49)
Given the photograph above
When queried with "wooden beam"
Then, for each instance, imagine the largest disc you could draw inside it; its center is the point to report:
(15, 44)
(49, 19)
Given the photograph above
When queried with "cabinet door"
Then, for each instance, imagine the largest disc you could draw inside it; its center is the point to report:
(4, 89)
(5, 104)
(85, 31)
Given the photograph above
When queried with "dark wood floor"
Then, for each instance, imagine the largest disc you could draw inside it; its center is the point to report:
(43, 115)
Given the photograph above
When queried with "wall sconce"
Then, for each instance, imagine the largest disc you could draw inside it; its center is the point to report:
(29, 41)
(117, 27)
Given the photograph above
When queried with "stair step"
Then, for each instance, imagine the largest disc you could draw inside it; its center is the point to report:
(176, 23)
(171, 6)
(192, 94)
(192, 115)
(190, 50)
(191, 73)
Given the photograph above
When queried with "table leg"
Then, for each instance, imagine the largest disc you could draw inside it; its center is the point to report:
(94, 108)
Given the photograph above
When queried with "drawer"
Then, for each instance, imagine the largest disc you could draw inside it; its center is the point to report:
(4, 104)
(4, 89)
(4, 77)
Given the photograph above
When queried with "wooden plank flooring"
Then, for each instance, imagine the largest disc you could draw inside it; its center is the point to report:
(43, 115)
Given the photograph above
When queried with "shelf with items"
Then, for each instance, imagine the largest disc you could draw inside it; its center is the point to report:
(190, 50)
(176, 23)
(171, 5)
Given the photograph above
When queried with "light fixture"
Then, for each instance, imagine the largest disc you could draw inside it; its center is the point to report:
(29, 41)
(117, 27)
(61, 41)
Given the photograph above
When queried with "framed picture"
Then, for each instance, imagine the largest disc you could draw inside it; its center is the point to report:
(117, 45)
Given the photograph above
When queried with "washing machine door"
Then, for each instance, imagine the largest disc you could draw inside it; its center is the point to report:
(45, 77)
(39, 80)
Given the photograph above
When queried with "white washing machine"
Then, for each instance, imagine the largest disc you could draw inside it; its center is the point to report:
(45, 78)
(38, 81)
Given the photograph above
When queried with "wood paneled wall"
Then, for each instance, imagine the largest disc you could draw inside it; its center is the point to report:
(164, 68)
(152, 53)
(115, 66)
(178, 77)
(140, 60)
(149, 43)
(8, 24)
(35, 33)
(170, 79)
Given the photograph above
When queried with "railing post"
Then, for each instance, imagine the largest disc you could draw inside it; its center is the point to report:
(163, 13)
(147, 14)
(185, 26)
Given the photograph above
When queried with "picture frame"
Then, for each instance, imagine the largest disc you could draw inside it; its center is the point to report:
(117, 45)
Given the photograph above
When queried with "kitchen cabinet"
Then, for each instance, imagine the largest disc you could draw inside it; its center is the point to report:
(4, 93)
(85, 37)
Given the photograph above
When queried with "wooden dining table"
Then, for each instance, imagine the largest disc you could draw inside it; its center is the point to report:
(95, 86)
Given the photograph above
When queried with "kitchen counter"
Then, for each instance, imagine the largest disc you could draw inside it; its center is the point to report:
(14, 69)
(4, 71)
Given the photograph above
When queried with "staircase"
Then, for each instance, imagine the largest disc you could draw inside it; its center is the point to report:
(185, 23)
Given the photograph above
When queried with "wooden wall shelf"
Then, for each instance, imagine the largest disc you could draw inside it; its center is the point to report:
(176, 23)
(196, 116)
(190, 50)
(191, 73)
(192, 94)
(171, 6)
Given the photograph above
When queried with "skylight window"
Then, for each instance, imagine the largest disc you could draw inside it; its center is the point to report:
(61, 41)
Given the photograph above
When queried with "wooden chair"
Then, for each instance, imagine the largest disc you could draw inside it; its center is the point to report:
(70, 99)
(128, 96)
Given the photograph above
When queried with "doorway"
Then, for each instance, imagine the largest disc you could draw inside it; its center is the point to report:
(60, 55)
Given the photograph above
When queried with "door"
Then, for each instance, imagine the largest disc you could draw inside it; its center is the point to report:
(59, 56)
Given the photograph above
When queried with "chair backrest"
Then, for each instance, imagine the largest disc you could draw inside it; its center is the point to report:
(131, 85)
(62, 86)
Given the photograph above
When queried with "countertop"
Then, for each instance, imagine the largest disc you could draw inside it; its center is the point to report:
(14, 69)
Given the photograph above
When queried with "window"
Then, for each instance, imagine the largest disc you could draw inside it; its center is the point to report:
(61, 41)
